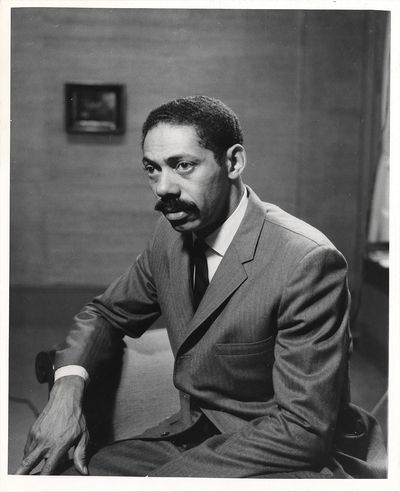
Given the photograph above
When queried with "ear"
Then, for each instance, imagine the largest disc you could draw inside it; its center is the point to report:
(235, 161)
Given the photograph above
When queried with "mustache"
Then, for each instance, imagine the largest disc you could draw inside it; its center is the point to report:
(172, 205)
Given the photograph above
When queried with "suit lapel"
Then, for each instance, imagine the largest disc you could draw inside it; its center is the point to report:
(231, 273)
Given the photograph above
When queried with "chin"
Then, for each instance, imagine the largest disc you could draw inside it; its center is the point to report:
(187, 226)
(182, 227)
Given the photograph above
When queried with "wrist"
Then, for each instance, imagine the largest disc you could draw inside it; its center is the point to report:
(72, 385)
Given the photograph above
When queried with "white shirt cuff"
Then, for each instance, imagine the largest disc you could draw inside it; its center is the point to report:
(71, 370)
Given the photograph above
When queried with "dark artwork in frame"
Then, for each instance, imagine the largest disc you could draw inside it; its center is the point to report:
(95, 108)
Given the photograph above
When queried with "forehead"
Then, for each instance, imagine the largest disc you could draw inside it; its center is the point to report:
(166, 138)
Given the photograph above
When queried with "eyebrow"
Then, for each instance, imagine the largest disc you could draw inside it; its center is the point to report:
(145, 160)
(173, 159)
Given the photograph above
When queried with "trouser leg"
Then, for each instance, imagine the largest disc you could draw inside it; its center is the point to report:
(131, 457)
(137, 458)
(324, 473)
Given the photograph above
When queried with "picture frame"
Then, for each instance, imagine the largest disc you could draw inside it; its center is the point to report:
(95, 108)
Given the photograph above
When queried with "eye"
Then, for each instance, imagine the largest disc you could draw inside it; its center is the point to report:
(149, 169)
(184, 167)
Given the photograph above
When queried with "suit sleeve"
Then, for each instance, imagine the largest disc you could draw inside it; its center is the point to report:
(128, 306)
(311, 354)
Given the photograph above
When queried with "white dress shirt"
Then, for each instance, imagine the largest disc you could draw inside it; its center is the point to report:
(218, 242)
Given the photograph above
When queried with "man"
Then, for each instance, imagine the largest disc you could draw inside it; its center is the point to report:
(257, 306)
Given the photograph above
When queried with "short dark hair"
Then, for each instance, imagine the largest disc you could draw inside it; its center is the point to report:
(216, 124)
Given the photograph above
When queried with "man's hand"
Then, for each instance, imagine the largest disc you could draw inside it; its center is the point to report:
(60, 426)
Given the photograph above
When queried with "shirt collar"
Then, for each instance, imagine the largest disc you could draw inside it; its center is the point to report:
(220, 239)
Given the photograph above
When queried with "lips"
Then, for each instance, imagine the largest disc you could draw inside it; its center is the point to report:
(174, 216)
(177, 211)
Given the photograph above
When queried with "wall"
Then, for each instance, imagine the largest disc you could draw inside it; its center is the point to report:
(80, 207)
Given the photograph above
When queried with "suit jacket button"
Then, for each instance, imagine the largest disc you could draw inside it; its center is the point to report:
(166, 433)
(185, 395)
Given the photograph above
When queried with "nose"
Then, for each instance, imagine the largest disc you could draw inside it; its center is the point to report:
(167, 184)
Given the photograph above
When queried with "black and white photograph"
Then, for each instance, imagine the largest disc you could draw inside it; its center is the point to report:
(197, 278)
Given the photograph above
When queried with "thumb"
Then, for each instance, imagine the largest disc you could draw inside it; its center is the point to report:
(80, 454)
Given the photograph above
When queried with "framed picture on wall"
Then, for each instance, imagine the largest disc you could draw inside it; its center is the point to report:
(95, 108)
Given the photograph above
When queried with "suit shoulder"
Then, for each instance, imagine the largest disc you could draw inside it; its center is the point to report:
(294, 229)
(289, 241)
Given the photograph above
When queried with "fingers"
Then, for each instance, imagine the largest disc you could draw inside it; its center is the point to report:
(60, 425)
(28, 443)
(30, 461)
(53, 460)
(80, 454)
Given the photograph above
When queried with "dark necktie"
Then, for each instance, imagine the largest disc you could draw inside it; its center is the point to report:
(201, 271)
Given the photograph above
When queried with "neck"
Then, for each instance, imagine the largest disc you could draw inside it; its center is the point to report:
(236, 195)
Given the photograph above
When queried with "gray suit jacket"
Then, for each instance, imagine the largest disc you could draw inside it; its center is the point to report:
(264, 357)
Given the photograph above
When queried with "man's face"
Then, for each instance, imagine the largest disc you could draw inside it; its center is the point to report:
(192, 188)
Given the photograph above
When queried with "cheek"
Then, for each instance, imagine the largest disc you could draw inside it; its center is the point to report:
(209, 197)
(217, 190)
(207, 193)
